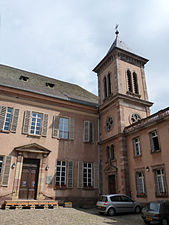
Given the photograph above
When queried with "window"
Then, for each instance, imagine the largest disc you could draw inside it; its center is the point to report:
(136, 146)
(129, 79)
(88, 135)
(61, 173)
(35, 128)
(50, 85)
(154, 143)
(110, 153)
(7, 120)
(109, 84)
(160, 182)
(135, 82)
(105, 87)
(24, 78)
(87, 175)
(63, 128)
(35, 123)
(140, 184)
(1, 162)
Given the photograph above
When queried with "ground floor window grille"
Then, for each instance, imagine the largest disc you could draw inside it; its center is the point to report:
(61, 173)
(87, 175)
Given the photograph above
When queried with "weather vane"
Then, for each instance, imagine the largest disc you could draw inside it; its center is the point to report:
(116, 28)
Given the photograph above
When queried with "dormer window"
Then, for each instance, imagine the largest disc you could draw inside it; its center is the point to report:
(24, 78)
(50, 85)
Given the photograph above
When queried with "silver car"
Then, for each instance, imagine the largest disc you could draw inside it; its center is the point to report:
(117, 203)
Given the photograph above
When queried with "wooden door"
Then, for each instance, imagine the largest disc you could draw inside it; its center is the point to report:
(112, 184)
(29, 179)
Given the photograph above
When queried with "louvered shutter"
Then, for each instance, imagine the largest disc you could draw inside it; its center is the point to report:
(71, 128)
(6, 170)
(70, 174)
(45, 125)
(55, 132)
(91, 132)
(96, 175)
(86, 131)
(2, 116)
(26, 121)
(14, 120)
(80, 174)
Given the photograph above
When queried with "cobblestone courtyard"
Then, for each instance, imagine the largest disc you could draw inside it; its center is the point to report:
(64, 216)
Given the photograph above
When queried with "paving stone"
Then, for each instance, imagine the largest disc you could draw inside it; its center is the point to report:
(64, 216)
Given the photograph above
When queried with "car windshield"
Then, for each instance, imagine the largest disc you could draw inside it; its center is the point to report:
(102, 198)
(154, 206)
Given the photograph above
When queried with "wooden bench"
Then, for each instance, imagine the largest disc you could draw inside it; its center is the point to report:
(32, 204)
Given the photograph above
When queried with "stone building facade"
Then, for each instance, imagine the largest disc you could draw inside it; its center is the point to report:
(58, 141)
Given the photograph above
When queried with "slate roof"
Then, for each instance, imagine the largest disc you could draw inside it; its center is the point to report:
(12, 77)
(119, 44)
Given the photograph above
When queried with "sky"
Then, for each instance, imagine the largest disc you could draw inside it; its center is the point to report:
(66, 39)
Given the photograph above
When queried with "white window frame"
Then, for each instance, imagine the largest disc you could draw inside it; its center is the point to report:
(36, 117)
(153, 135)
(136, 146)
(140, 183)
(64, 131)
(160, 181)
(87, 167)
(61, 166)
(6, 116)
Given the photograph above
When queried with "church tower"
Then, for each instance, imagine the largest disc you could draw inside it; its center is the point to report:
(123, 100)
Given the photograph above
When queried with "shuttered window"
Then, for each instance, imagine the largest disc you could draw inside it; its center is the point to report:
(70, 175)
(5, 162)
(35, 123)
(8, 119)
(63, 127)
(88, 175)
(88, 133)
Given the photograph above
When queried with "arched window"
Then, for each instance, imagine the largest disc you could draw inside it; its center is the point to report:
(135, 83)
(105, 87)
(112, 149)
(107, 154)
(129, 79)
(109, 84)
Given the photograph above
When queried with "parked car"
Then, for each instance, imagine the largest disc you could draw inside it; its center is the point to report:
(156, 212)
(117, 203)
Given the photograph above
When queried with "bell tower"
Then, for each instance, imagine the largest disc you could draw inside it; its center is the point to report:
(123, 100)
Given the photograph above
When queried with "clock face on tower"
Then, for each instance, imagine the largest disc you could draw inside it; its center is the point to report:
(134, 118)
(109, 123)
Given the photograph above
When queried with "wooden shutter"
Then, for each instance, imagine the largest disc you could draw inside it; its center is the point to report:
(96, 175)
(25, 129)
(45, 125)
(6, 170)
(71, 128)
(86, 131)
(2, 116)
(55, 132)
(70, 174)
(91, 132)
(14, 120)
(80, 174)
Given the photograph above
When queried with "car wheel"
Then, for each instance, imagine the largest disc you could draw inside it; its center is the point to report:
(137, 209)
(146, 222)
(111, 212)
(164, 221)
